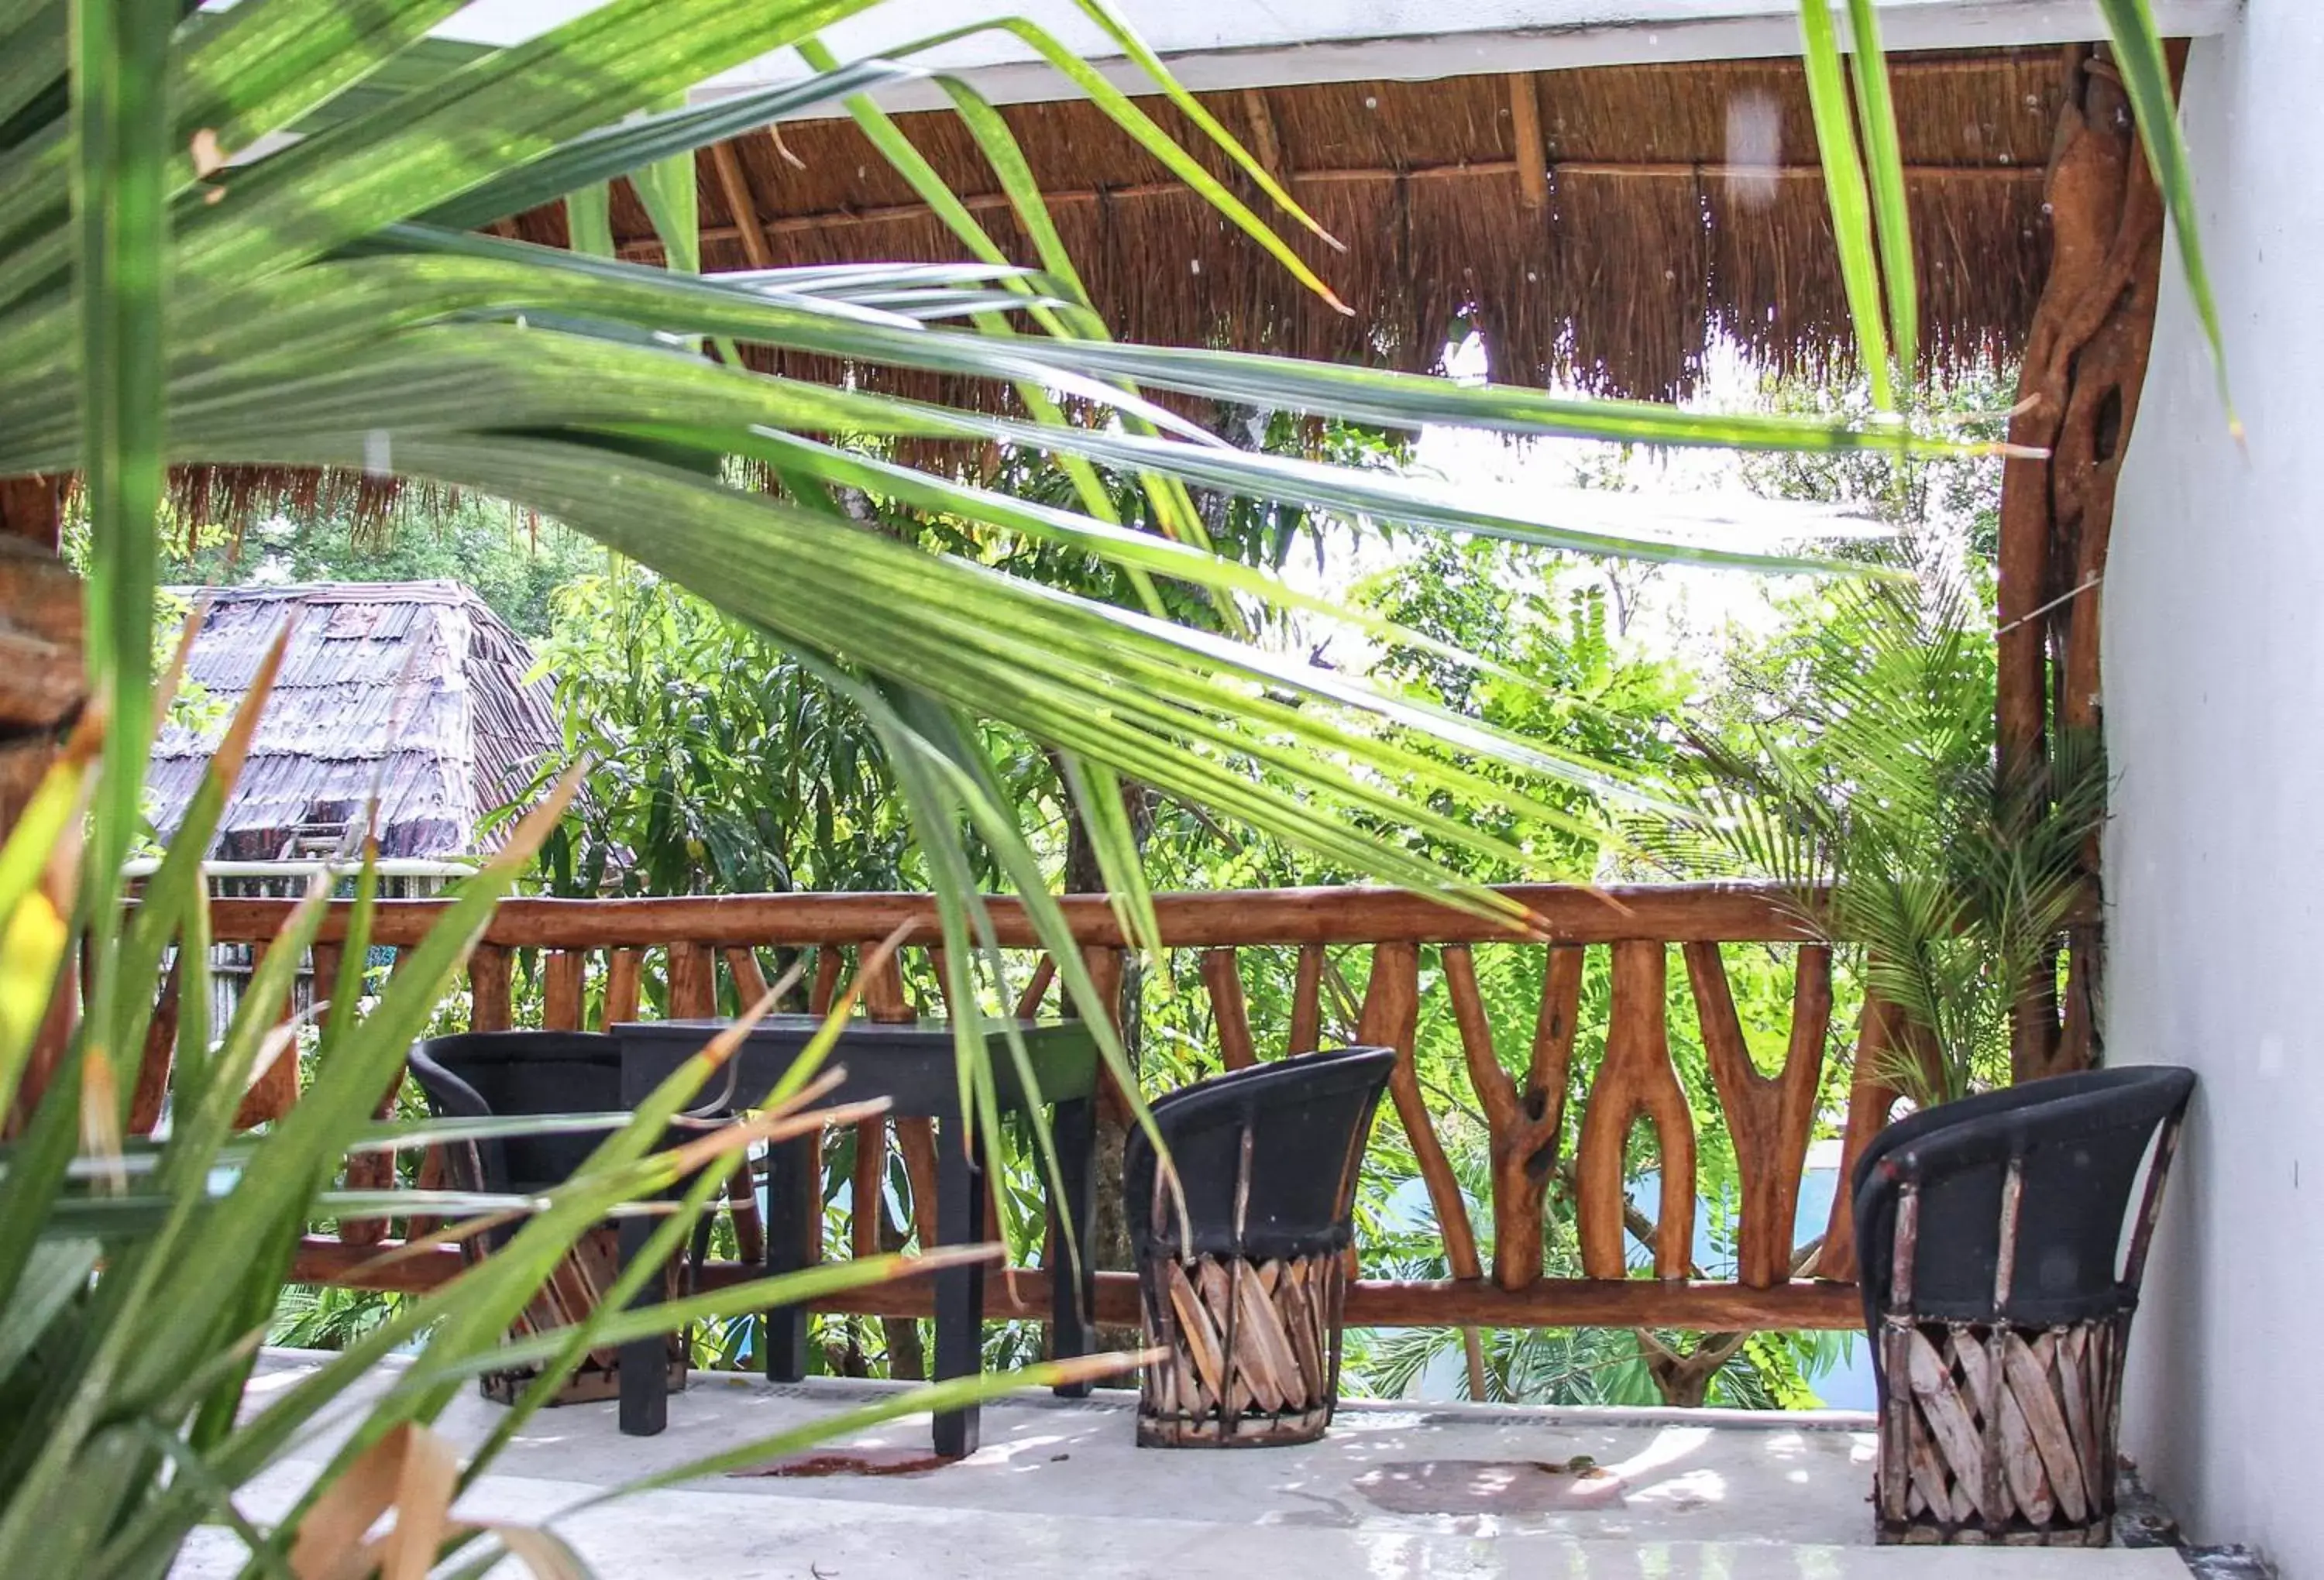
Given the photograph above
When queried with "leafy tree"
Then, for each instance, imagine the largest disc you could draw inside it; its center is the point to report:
(1956, 499)
(513, 560)
(1855, 747)
(1561, 679)
(717, 764)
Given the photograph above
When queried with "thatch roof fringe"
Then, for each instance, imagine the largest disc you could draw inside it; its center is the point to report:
(1685, 204)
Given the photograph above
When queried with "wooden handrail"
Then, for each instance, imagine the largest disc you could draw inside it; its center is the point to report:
(1499, 1279)
(1704, 913)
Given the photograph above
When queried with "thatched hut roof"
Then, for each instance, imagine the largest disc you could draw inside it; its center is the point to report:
(1678, 204)
(414, 689)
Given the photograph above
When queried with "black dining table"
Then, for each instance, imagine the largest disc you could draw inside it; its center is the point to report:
(913, 1065)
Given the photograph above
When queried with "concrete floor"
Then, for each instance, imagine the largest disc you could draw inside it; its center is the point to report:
(1059, 1489)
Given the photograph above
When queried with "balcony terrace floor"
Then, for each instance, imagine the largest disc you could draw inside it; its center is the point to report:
(1059, 1489)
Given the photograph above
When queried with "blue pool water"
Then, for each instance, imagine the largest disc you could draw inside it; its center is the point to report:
(1846, 1386)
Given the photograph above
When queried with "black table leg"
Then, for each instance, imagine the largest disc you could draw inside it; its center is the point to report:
(960, 1290)
(1073, 1226)
(794, 1198)
(645, 1363)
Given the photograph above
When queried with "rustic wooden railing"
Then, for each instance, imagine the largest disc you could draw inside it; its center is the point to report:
(703, 943)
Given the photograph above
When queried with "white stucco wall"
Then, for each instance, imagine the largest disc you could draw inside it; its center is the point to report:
(2215, 716)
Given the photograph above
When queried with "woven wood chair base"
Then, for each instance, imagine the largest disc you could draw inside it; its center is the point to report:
(571, 1293)
(1250, 1431)
(1253, 1351)
(1998, 1435)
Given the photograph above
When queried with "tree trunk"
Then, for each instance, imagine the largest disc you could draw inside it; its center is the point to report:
(1684, 1380)
(43, 686)
(2078, 392)
(43, 683)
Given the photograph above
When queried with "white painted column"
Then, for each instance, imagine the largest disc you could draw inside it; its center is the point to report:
(2215, 718)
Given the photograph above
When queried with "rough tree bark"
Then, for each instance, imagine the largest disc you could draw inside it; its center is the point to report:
(41, 686)
(43, 689)
(2078, 398)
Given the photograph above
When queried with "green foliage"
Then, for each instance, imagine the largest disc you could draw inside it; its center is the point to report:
(1561, 680)
(328, 1317)
(1861, 753)
(1569, 685)
(514, 561)
(1953, 500)
(717, 764)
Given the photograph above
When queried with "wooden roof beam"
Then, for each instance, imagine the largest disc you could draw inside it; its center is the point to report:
(1266, 141)
(741, 205)
(1525, 132)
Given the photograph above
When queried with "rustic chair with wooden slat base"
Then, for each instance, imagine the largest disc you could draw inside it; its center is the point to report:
(1244, 1292)
(2002, 1263)
(488, 1074)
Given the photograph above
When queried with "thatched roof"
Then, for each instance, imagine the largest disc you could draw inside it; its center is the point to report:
(1680, 206)
(1683, 203)
(415, 690)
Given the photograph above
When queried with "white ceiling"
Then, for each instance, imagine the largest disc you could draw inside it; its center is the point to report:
(1240, 43)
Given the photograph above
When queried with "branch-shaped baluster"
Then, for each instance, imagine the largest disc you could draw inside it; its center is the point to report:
(693, 982)
(742, 1185)
(1228, 1010)
(276, 1088)
(919, 1151)
(750, 978)
(1635, 1078)
(694, 995)
(884, 1001)
(1037, 989)
(366, 1170)
(1307, 1002)
(1391, 1019)
(625, 971)
(489, 1007)
(1872, 1096)
(161, 1046)
(1524, 1126)
(1768, 1116)
(824, 990)
(915, 1134)
(1104, 965)
(562, 974)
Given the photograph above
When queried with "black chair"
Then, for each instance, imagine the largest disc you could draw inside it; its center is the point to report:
(488, 1074)
(2001, 1261)
(1244, 1290)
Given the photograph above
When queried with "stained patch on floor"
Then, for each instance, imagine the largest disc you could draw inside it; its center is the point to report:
(1492, 1486)
(851, 1461)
